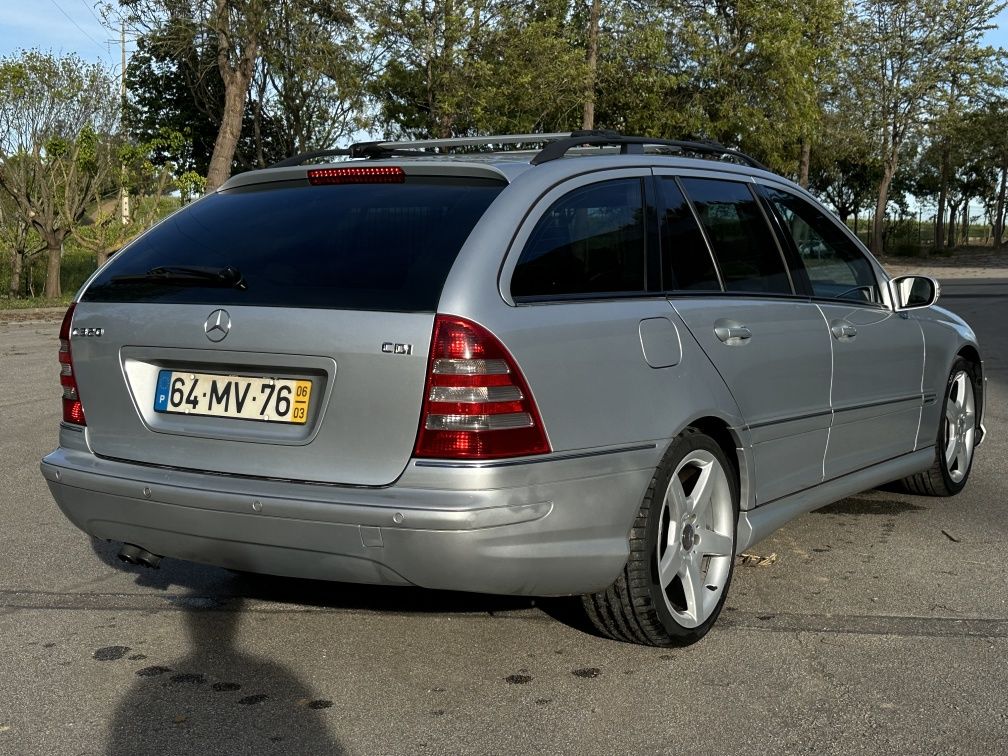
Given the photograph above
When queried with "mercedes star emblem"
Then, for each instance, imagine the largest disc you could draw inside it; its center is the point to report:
(218, 325)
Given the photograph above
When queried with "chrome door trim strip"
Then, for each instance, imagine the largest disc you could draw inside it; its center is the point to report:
(789, 419)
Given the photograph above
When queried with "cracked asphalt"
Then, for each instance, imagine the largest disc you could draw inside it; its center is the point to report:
(880, 627)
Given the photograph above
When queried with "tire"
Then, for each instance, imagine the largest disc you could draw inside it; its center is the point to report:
(682, 546)
(953, 461)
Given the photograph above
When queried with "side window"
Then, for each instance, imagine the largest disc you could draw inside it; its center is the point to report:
(589, 242)
(836, 268)
(687, 264)
(743, 243)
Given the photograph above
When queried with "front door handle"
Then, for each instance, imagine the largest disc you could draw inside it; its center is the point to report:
(732, 333)
(842, 330)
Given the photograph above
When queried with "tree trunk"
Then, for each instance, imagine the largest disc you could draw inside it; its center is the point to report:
(943, 171)
(588, 121)
(803, 163)
(878, 227)
(54, 253)
(17, 262)
(953, 213)
(235, 88)
(999, 211)
(237, 52)
(966, 224)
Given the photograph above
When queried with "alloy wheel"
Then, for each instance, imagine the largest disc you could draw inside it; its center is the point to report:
(696, 539)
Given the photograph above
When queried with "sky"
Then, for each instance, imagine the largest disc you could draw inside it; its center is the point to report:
(61, 26)
(65, 26)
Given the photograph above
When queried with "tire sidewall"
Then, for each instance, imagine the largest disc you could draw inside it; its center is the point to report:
(958, 365)
(683, 445)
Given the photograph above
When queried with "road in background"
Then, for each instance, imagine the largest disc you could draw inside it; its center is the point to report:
(880, 627)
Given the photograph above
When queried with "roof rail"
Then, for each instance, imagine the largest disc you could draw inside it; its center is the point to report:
(473, 141)
(383, 149)
(557, 145)
(635, 145)
(305, 156)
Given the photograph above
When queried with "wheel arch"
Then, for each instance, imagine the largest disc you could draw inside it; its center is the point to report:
(971, 354)
(733, 447)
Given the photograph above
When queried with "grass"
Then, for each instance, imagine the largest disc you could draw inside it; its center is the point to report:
(30, 303)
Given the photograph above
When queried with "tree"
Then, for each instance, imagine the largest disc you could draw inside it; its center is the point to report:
(903, 51)
(591, 57)
(236, 29)
(844, 168)
(247, 82)
(310, 83)
(823, 22)
(173, 86)
(17, 236)
(57, 117)
(992, 138)
(427, 46)
(455, 67)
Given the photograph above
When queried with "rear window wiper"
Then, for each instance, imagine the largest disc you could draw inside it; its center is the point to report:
(187, 275)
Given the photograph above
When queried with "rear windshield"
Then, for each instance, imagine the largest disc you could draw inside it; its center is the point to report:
(356, 246)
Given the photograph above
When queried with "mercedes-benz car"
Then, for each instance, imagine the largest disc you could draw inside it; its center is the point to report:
(602, 367)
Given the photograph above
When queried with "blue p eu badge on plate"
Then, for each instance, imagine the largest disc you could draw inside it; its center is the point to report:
(161, 393)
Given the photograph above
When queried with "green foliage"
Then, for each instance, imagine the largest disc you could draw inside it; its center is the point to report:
(880, 100)
(174, 87)
(190, 185)
(57, 121)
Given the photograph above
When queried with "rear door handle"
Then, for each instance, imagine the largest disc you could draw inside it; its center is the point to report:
(842, 330)
(732, 333)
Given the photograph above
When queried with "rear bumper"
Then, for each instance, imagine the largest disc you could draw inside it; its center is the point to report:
(548, 528)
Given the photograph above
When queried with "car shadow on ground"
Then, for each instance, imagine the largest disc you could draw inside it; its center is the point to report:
(217, 587)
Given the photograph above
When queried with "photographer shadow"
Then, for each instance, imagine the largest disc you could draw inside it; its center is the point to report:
(217, 697)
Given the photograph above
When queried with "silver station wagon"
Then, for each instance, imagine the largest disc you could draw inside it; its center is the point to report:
(602, 368)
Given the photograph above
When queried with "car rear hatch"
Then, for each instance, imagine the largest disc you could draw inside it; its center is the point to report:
(276, 329)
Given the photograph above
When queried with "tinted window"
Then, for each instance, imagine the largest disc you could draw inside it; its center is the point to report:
(743, 244)
(686, 261)
(589, 242)
(836, 268)
(358, 246)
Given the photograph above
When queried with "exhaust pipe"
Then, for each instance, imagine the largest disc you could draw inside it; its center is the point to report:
(129, 553)
(132, 554)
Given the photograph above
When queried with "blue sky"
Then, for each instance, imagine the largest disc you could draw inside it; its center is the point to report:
(62, 26)
(66, 26)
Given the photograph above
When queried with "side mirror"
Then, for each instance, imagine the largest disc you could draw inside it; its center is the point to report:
(913, 292)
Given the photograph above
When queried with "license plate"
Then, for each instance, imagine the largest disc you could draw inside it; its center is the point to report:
(273, 400)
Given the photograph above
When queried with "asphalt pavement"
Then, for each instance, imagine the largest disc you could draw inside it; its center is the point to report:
(879, 626)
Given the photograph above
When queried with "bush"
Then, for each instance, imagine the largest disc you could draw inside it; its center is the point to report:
(77, 265)
(907, 249)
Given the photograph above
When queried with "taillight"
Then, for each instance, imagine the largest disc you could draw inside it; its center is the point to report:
(379, 174)
(73, 412)
(477, 404)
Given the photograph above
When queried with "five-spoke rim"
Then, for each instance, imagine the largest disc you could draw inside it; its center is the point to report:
(696, 538)
(960, 426)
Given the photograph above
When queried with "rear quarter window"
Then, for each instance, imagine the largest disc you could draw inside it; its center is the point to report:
(589, 243)
(356, 246)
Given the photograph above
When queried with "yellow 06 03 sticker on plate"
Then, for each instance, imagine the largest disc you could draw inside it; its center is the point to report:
(274, 400)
